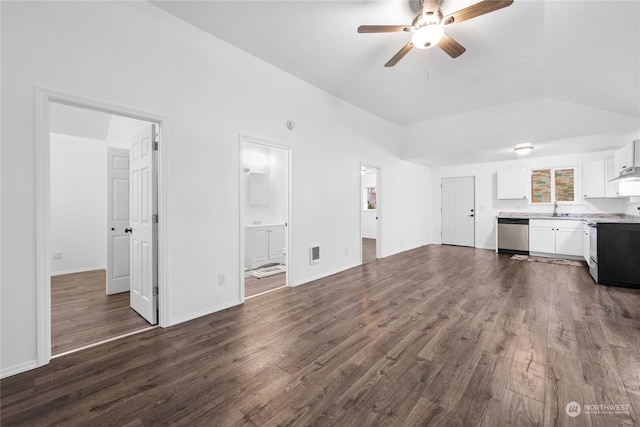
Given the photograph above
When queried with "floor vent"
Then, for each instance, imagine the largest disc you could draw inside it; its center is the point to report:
(314, 254)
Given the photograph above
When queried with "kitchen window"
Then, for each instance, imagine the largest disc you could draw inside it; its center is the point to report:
(553, 184)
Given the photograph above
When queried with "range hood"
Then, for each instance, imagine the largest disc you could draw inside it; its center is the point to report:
(631, 153)
(628, 174)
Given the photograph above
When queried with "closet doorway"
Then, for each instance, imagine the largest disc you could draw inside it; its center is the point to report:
(369, 213)
(265, 184)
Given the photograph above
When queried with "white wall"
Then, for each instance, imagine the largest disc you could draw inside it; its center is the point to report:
(488, 206)
(78, 204)
(135, 55)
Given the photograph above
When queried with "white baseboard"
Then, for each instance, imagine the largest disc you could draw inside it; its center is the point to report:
(19, 368)
(77, 270)
(206, 312)
(325, 274)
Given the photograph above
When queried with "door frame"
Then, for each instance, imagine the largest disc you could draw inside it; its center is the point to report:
(43, 98)
(475, 211)
(378, 210)
(288, 228)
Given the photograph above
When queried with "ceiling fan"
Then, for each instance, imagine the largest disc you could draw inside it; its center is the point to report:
(428, 27)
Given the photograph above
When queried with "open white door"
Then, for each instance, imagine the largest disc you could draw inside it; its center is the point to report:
(458, 211)
(143, 225)
(117, 220)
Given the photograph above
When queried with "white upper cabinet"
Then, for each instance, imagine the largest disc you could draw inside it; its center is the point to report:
(513, 183)
(594, 179)
(612, 189)
(627, 156)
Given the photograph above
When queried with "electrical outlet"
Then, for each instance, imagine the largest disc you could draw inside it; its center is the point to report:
(57, 255)
(222, 280)
(346, 252)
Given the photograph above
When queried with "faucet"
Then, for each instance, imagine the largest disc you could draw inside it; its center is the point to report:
(555, 208)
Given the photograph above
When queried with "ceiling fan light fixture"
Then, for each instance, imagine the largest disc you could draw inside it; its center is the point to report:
(523, 149)
(427, 36)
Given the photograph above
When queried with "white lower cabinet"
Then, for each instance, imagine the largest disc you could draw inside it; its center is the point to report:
(263, 245)
(559, 237)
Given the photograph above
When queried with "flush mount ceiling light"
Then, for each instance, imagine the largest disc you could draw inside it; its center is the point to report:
(522, 149)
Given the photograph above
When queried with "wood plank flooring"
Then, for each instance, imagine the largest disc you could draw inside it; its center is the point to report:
(368, 250)
(254, 286)
(82, 314)
(440, 335)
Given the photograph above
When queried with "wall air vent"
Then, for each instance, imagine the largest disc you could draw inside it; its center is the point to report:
(314, 254)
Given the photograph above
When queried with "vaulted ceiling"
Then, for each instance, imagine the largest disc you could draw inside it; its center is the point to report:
(535, 71)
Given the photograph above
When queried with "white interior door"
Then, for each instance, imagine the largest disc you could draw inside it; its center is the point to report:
(458, 211)
(117, 220)
(143, 225)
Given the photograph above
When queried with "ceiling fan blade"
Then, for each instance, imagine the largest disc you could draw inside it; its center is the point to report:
(398, 56)
(452, 47)
(475, 10)
(383, 28)
(431, 6)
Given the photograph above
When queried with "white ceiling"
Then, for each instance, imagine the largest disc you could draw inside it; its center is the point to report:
(566, 61)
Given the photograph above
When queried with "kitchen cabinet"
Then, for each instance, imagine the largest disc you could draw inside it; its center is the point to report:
(628, 188)
(263, 245)
(594, 179)
(512, 183)
(612, 189)
(559, 237)
(627, 156)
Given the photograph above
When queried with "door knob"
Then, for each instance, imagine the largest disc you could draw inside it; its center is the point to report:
(128, 230)
(470, 216)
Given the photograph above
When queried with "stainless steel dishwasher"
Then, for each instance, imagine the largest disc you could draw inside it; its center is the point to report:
(513, 236)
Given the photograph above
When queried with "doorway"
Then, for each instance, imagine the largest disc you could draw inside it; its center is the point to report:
(264, 195)
(77, 220)
(458, 211)
(369, 213)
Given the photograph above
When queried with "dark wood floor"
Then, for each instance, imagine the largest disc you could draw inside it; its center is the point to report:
(440, 335)
(82, 313)
(254, 286)
(368, 250)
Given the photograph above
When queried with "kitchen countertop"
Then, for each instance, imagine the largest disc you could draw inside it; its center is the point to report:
(593, 218)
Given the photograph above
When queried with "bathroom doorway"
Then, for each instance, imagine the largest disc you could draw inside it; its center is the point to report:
(264, 216)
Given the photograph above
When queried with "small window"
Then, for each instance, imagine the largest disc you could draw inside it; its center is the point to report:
(549, 185)
(370, 199)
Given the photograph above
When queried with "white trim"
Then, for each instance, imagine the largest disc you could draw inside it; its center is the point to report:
(205, 312)
(243, 139)
(77, 270)
(43, 98)
(75, 350)
(19, 368)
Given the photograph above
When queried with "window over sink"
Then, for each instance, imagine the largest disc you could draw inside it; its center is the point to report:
(553, 184)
